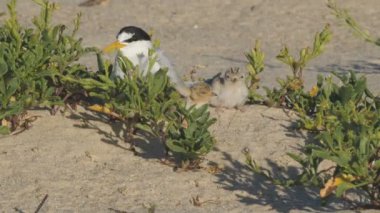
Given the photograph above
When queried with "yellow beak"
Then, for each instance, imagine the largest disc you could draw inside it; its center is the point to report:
(114, 46)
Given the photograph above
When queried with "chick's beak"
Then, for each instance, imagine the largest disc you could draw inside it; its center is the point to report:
(114, 46)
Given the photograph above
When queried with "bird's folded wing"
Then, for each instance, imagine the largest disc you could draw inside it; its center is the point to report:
(177, 81)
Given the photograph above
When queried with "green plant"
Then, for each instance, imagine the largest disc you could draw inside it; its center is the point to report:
(346, 122)
(305, 54)
(349, 118)
(150, 106)
(358, 30)
(291, 89)
(328, 94)
(345, 119)
(255, 66)
(32, 63)
(191, 138)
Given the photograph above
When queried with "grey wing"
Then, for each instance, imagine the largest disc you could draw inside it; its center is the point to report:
(177, 81)
(165, 62)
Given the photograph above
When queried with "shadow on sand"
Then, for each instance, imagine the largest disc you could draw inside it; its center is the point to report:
(359, 66)
(255, 189)
(147, 146)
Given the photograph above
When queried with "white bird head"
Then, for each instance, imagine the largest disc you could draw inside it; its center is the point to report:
(234, 75)
(131, 40)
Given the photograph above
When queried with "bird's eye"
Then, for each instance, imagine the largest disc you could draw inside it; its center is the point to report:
(242, 76)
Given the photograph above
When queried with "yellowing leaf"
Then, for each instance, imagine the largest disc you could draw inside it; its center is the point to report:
(99, 108)
(348, 178)
(329, 187)
(4, 122)
(314, 91)
(333, 183)
(185, 124)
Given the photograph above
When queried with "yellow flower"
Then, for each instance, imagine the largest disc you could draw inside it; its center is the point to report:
(314, 91)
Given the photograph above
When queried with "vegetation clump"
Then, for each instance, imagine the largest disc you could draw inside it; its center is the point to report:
(33, 64)
(342, 114)
(39, 69)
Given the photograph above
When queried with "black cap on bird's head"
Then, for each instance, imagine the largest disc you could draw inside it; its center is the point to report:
(131, 33)
(127, 35)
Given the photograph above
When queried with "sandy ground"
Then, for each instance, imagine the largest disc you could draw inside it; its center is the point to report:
(88, 169)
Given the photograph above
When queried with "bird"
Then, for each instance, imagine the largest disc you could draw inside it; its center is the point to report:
(134, 44)
(230, 89)
(200, 94)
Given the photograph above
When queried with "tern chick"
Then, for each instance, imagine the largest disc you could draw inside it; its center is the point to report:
(200, 94)
(230, 89)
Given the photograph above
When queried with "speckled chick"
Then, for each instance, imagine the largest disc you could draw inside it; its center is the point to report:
(200, 94)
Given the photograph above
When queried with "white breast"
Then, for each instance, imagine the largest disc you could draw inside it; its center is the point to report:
(138, 53)
(230, 96)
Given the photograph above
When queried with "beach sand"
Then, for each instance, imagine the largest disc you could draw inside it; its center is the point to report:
(88, 168)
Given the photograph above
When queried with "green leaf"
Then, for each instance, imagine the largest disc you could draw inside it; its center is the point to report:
(295, 157)
(4, 130)
(15, 110)
(145, 128)
(174, 147)
(343, 187)
(157, 84)
(376, 164)
(326, 155)
(346, 93)
(3, 67)
(100, 61)
(13, 85)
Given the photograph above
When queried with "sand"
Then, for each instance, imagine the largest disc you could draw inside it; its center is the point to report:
(88, 169)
